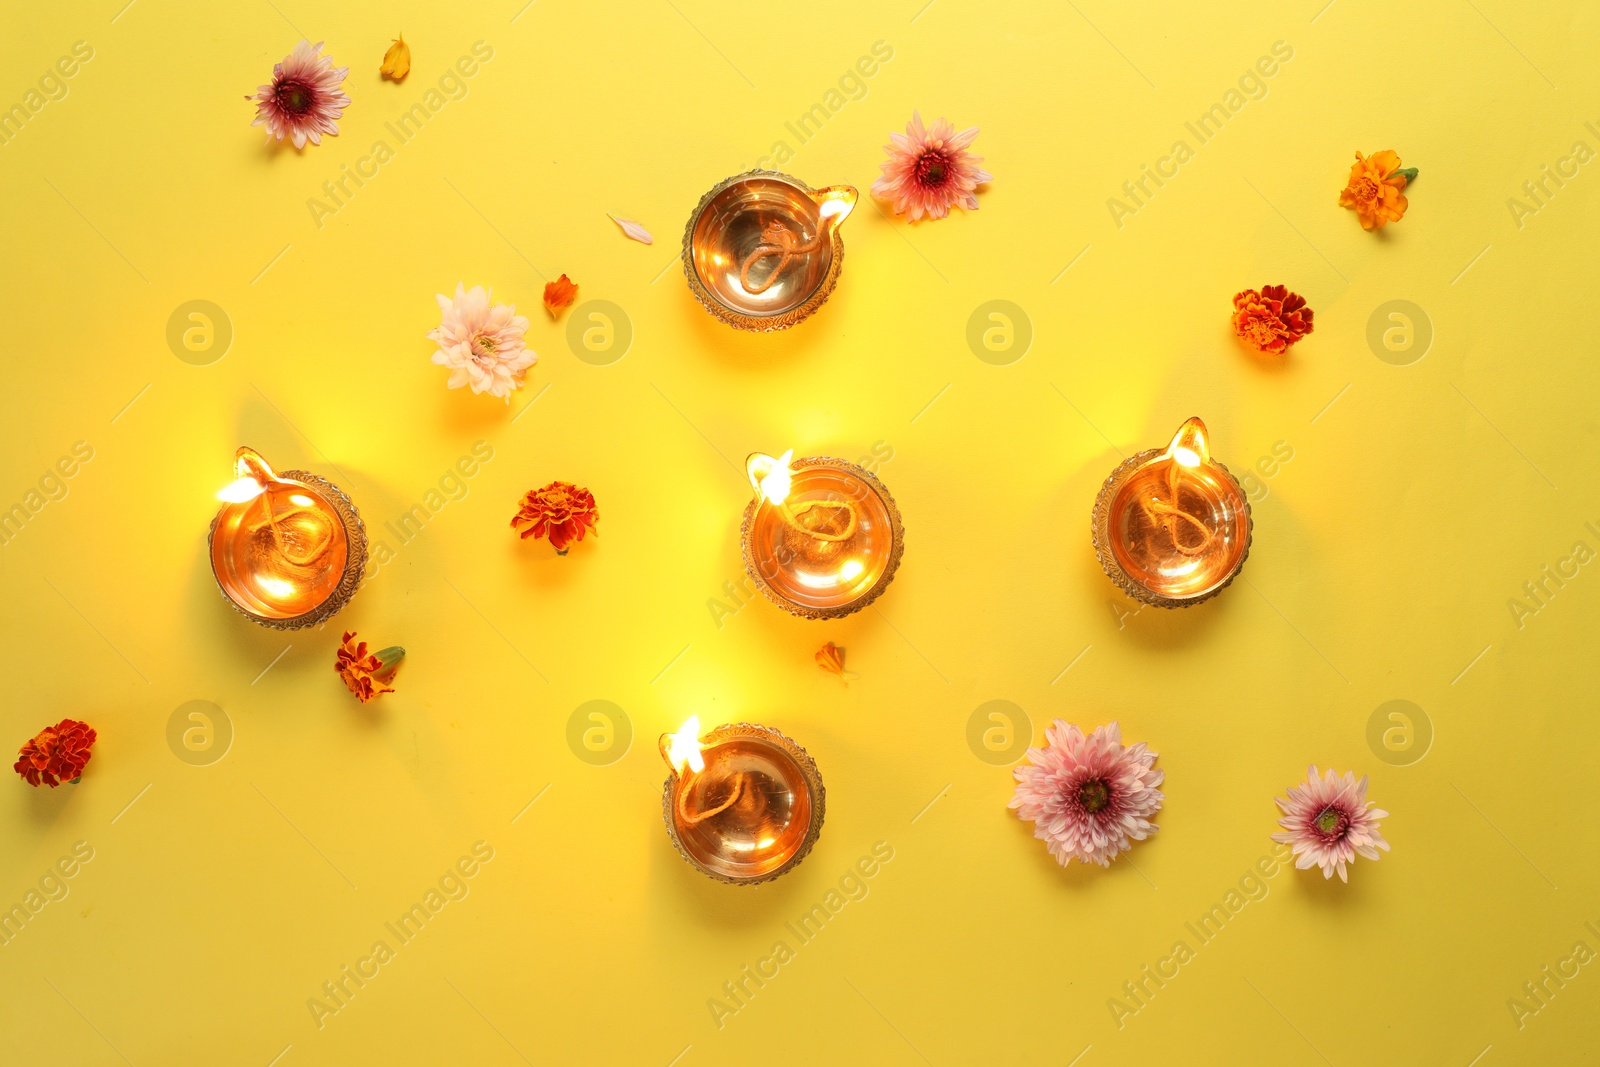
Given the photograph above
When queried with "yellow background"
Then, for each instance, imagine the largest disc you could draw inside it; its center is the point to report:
(221, 897)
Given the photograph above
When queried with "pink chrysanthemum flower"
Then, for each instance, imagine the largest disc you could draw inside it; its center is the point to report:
(929, 170)
(1329, 820)
(482, 343)
(1088, 796)
(304, 97)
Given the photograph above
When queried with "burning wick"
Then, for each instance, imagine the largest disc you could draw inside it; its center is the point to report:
(1188, 449)
(834, 206)
(1170, 516)
(257, 479)
(776, 240)
(682, 753)
(692, 819)
(311, 555)
(771, 479)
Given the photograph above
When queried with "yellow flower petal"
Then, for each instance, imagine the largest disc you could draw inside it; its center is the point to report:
(397, 60)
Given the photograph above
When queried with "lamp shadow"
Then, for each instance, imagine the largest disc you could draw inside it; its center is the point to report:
(719, 906)
(247, 645)
(749, 350)
(1149, 626)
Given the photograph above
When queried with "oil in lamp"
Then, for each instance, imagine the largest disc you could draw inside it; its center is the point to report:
(762, 250)
(744, 803)
(822, 538)
(1172, 528)
(287, 548)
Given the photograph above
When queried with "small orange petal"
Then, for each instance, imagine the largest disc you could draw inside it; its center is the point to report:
(1385, 162)
(396, 61)
(559, 295)
(830, 657)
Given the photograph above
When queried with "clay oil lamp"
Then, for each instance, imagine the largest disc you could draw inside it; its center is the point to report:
(287, 548)
(762, 250)
(1172, 527)
(822, 537)
(744, 803)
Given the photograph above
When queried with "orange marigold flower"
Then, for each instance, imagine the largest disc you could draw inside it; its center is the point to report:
(56, 754)
(560, 511)
(559, 295)
(1270, 319)
(367, 674)
(1374, 189)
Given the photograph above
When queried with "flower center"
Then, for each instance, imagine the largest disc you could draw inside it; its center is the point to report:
(295, 97)
(933, 168)
(483, 345)
(1331, 822)
(1094, 795)
(1367, 190)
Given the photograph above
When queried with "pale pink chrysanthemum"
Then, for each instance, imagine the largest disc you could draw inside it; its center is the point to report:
(1088, 797)
(482, 343)
(928, 170)
(1329, 821)
(304, 97)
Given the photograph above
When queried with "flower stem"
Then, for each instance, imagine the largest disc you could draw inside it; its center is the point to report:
(388, 662)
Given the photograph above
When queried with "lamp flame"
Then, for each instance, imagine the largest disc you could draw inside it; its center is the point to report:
(240, 491)
(682, 749)
(770, 476)
(834, 204)
(1189, 447)
(253, 477)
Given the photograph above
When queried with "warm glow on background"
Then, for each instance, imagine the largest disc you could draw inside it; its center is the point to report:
(1420, 603)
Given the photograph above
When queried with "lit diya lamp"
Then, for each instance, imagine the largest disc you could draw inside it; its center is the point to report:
(743, 804)
(286, 548)
(822, 538)
(1172, 527)
(762, 250)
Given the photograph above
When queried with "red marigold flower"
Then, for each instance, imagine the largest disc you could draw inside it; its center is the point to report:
(56, 754)
(367, 674)
(1271, 319)
(560, 511)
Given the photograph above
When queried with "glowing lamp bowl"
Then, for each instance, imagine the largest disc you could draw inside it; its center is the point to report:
(829, 544)
(288, 548)
(762, 250)
(753, 811)
(1172, 527)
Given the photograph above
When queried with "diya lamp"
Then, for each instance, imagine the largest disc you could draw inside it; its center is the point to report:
(762, 250)
(744, 803)
(287, 548)
(1172, 527)
(822, 538)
